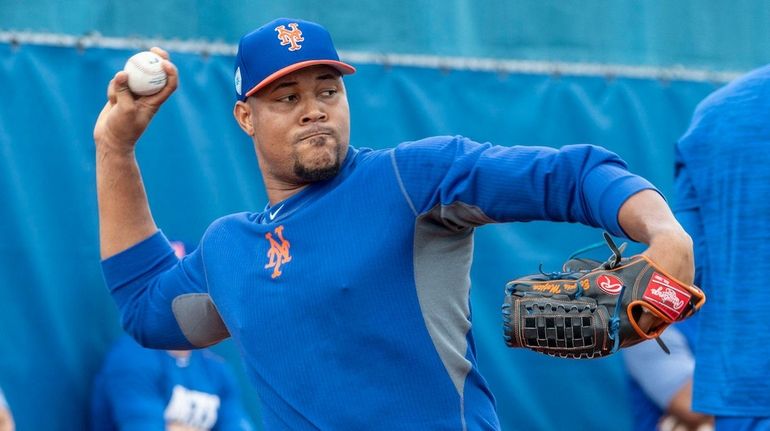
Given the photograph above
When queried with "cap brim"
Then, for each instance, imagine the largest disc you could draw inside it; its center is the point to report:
(344, 68)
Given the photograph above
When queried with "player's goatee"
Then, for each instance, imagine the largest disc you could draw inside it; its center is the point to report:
(314, 174)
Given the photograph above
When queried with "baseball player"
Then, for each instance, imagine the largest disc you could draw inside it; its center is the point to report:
(348, 294)
(722, 184)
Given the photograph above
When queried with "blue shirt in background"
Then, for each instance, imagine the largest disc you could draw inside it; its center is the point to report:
(143, 389)
(723, 201)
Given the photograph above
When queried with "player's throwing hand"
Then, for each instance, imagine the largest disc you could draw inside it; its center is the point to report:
(125, 116)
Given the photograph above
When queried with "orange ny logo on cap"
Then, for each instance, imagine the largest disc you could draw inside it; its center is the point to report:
(290, 37)
(278, 253)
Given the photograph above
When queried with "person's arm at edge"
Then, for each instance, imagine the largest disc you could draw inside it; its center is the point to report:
(680, 408)
(124, 212)
(6, 420)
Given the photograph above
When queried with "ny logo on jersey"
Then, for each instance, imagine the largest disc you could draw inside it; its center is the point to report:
(290, 37)
(278, 253)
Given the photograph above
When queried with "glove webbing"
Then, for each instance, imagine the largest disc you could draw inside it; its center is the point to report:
(543, 330)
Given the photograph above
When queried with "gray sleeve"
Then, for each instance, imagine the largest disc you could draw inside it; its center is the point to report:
(199, 319)
(661, 375)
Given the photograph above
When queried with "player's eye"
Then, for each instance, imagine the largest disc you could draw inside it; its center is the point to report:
(329, 93)
(289, 98)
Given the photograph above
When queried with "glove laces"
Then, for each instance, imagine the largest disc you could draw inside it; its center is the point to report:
(614, 324)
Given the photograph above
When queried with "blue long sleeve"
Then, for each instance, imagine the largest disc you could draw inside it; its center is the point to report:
(144, 281)
(579, 183)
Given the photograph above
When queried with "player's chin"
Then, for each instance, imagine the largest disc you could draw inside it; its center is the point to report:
(318, 151)
(319, 165)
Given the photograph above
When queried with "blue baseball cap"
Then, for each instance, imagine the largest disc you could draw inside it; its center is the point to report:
(281, 47)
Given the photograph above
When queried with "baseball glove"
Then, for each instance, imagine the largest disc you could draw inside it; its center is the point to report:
(590, 308)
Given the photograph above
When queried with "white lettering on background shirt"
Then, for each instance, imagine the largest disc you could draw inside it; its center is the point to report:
(192, 408)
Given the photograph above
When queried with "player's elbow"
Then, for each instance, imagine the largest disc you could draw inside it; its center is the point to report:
(154, 330)
(132, 325)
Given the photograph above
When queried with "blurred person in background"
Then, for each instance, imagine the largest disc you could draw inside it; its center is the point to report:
(661, 384)
(723, 201)
(349, 293)
(175, 390)
(6, 418)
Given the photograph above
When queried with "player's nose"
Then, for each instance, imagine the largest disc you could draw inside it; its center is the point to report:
(313, 112)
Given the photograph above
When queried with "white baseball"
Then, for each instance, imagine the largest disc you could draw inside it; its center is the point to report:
(145, 73)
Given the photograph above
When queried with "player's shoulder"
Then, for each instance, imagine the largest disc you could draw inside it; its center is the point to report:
(744, 92)
(435, 149)
(363, 155)
(438, 151)
(224, 229)
(727, 113)
(227, 223)
(432, 143)
(370, 158)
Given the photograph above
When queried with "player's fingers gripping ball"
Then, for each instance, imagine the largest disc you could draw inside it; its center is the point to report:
(145, 73)
(591, 309)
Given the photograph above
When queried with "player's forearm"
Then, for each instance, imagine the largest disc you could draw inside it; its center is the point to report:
(124, 212)
(646, 218)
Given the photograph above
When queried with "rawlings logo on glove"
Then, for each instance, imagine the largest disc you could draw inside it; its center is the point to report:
(591, 309)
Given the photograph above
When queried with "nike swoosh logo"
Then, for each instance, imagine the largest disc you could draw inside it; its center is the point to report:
(275, 213)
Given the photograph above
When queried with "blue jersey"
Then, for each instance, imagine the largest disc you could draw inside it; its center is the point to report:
(723, 200)
(350, 299)
(144, 389)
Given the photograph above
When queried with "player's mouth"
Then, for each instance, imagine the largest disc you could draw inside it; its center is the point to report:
(314, 135)
(317, 135)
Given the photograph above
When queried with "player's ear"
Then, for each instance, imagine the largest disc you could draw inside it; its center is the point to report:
(242, 114)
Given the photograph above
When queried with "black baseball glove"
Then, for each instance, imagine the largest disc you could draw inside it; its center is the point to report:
(591, 309)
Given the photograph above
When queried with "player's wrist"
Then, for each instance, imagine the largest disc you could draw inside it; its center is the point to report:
(109, 145)
(672, 238)
(672, 251)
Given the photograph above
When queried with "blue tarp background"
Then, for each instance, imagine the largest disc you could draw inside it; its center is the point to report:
(56, 319)
(719, 34)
